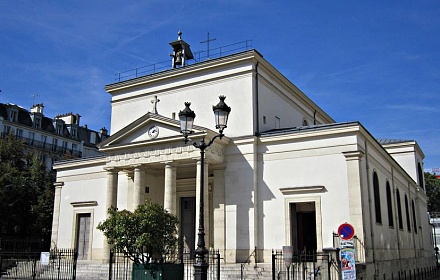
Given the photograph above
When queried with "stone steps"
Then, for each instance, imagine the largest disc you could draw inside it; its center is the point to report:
(96, 271)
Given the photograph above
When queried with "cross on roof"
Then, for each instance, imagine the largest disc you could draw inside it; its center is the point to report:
(207, 44)
(155, 101)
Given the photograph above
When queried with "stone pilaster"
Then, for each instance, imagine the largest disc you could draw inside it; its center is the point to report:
(56, 213)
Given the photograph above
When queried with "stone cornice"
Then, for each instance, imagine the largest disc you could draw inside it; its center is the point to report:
(303, 190)
(84, 203)
(171, 152)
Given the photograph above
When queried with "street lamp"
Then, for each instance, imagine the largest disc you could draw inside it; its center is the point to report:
(186, 117)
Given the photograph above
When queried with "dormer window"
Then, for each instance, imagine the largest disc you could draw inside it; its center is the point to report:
(73, 132)
(59, 129)
(92, 138)
(13, 115)
(37, 122)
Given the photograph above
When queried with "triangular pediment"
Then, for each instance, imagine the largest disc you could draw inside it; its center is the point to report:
(150, 129)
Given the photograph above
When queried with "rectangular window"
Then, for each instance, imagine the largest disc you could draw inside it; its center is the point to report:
(277, 122)
(74, 147)
(7, 129)
(54, 144)
(92, 138)
(19, 132)
(37, 122)
(73, 132)
(64, 146)
(31, 135)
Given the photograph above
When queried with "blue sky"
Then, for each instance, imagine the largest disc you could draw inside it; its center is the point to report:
(377, 62)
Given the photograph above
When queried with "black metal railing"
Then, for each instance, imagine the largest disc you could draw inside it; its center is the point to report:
(199, 56)
(358, 246)
(122, 268)
(56, 264)
(46, 146)
(247, 261)
(305, 265)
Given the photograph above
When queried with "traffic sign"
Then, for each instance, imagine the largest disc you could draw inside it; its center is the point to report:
(346, 231)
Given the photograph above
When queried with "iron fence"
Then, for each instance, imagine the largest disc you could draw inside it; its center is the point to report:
(305, 266)
(122, 268)
(59, 264)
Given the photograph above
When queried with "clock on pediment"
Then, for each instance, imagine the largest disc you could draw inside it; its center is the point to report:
(153, 132)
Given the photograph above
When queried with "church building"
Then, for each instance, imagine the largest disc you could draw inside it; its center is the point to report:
(285, 173)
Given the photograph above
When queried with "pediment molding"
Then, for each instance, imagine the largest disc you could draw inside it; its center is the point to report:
(167, 152)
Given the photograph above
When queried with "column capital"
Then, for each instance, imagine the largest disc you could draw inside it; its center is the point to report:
(170, 163)
(137, 166)
(112, 169)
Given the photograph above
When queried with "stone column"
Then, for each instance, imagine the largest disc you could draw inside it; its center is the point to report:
(110, 201)
(139, 185)
(170, 188)
(56, 213)
(205, 200)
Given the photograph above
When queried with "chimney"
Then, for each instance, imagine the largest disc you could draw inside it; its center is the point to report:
(37, 108)
(103, 131)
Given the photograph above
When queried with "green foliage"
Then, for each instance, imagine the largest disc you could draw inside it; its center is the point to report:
(432, 184)
(26, 192)
(149, 231)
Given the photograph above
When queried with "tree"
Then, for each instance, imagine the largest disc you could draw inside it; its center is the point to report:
(150, 232)
(26, 192)
(432, 184)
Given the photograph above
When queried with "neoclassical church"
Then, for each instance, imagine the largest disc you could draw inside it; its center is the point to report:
(285, 173)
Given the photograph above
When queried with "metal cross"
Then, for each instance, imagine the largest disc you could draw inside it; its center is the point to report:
(155, 101)
(207, 43)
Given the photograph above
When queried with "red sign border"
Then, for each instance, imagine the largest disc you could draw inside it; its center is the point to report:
(340, 233)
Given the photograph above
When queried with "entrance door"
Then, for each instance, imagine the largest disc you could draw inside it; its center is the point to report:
(82, 236)
(303, 226)
(188, 223)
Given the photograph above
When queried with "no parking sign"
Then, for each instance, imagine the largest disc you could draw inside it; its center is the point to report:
(347, 252)
(346, 231)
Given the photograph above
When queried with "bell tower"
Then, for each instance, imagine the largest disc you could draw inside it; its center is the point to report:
(181, 52)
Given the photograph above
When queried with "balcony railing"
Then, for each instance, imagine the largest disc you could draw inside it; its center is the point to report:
(46, 147)
(199, 56)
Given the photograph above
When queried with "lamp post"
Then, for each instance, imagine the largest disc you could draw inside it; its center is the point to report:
(186, 117)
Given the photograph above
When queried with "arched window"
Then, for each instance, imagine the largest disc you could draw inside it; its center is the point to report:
(420, 174)
(389, 205)
(377, 198)
(413, 208)
(399, 209)
(408, 222)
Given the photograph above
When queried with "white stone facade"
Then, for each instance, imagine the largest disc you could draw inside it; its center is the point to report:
(284, 174)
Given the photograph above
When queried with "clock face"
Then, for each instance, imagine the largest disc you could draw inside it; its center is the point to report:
(153, 132)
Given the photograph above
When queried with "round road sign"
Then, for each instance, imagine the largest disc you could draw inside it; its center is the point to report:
(346, 231)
